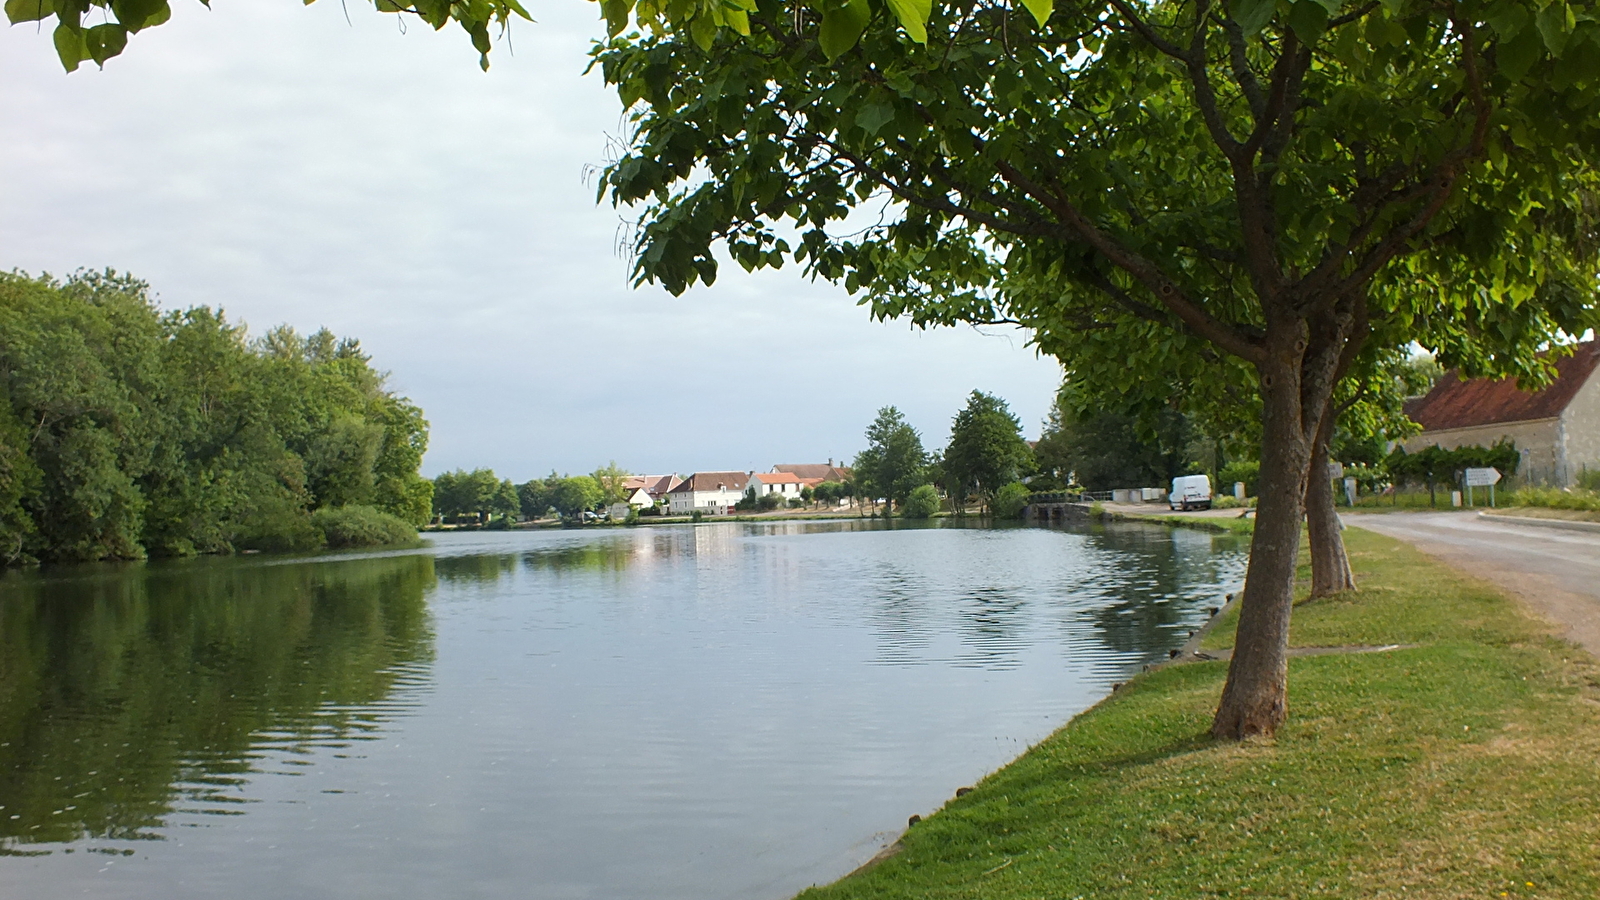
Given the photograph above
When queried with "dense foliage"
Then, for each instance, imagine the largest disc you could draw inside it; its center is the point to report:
(894, 462)
(921, 503)
(127, 431)
(986, 449)
(479, 494)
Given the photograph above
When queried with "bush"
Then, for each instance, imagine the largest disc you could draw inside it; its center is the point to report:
(361, 526)
(1010, 500)
(921, 503)
(769, 502)
(696, 516)
(1245, 470)
(1589, 481)
(797, 503)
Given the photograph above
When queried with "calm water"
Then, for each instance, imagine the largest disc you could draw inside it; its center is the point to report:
(728, 711)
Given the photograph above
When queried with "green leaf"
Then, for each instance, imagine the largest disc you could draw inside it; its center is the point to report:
(913, 16)
(29, 10)
(1041, 9)
(703, 30)
(616, 15)
(69, 46)
(105, 41)
(1518, 55)
(874, 116)
(137, 14)
(1309, 19)
(1332, 6)
(1555, 26)
(842, 27)
(1253, 15)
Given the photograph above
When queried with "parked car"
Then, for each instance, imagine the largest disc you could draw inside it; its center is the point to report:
(1190, 492)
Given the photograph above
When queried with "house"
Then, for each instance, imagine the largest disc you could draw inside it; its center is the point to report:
(1557, 429)
(813, 474)
(786, 485)
(638, 498)
(707, 492)
(656, 486)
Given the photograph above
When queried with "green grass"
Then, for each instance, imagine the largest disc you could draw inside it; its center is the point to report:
(1464, 767)
(1223, 524)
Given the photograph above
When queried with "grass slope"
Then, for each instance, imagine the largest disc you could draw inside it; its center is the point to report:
(1468, 766)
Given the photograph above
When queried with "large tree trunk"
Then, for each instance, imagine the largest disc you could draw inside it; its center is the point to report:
(1330, 565)
(1255, 699)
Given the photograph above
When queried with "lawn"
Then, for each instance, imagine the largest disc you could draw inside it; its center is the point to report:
(1465, 766)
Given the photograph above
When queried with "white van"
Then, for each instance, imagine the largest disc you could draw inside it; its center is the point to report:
(1190, 492)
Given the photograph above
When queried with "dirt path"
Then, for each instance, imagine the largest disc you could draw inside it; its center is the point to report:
(1555, 572)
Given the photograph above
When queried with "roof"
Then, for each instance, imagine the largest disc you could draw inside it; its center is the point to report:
(709, 481)
(654, 485)
(776, 477)
(820, 471)
(1454, 403)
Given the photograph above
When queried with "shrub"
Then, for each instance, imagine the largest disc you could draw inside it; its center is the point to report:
(1589, 481)
(1245, 470)
(1010, 500)
(769, 502)
(361, 526)
(696, 516)
(797, 502)
(921, 503)
(1555, 498)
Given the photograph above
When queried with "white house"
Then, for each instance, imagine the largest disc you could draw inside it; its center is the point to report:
(784, 484)
(713, 493)
(639, 498)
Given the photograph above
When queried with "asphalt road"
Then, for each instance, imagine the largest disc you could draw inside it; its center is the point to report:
(1556, 572)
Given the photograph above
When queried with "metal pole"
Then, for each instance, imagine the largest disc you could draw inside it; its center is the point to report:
(1491, 496)
(1469, 495)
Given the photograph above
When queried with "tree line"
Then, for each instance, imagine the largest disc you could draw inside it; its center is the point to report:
(985, 459)
(127, 431)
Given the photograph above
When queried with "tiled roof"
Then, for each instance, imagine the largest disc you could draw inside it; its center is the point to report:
(821, 471)
(1454, 403)
(709, 481)
(776, 477)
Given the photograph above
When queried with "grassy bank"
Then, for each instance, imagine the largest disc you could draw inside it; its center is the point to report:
(1236, 524)
(1465, 766)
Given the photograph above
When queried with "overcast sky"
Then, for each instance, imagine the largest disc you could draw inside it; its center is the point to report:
(291, 166)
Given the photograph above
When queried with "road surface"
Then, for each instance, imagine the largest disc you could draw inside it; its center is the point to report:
(1556, 572)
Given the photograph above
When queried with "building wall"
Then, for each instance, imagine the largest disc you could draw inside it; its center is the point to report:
(1580, 431)
(715, 502)
(1539, 442)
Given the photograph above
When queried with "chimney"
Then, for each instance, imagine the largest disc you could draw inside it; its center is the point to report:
(830, 462)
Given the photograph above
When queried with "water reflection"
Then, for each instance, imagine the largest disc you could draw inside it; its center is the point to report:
(725, 711)
(130, 693)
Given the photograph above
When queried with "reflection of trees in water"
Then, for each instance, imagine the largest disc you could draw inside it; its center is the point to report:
(1153, 579)
(900, 617)
(129, 692)
(994, 626)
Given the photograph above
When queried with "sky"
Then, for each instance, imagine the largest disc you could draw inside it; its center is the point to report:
(333, 166)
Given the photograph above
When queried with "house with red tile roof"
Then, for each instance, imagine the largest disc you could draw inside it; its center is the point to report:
(786, 485)
(656, 486)
(1556, 429)
(813, 474)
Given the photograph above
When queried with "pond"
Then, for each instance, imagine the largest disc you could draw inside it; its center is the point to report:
(722, 711)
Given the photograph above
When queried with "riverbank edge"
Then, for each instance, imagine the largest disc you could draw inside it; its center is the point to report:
(927, 860)
(1229, 525)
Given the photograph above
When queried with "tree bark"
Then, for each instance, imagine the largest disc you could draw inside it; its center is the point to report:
(1255, 699)
(1330, 564)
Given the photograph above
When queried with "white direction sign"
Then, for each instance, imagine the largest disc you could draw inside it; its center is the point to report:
(1483, 477)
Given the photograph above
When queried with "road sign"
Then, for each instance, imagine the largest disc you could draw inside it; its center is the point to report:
(1482, 477)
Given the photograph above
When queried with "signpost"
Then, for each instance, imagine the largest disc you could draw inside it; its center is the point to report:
(1484, 477)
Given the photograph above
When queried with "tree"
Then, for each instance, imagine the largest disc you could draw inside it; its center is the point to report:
(1114, 450)
(461, 493)
(986, 450)
(127, 431)
(77, 42)
(1259, 188)
(894, 462)
(535, 497)
(611, 479)
(573, 496)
